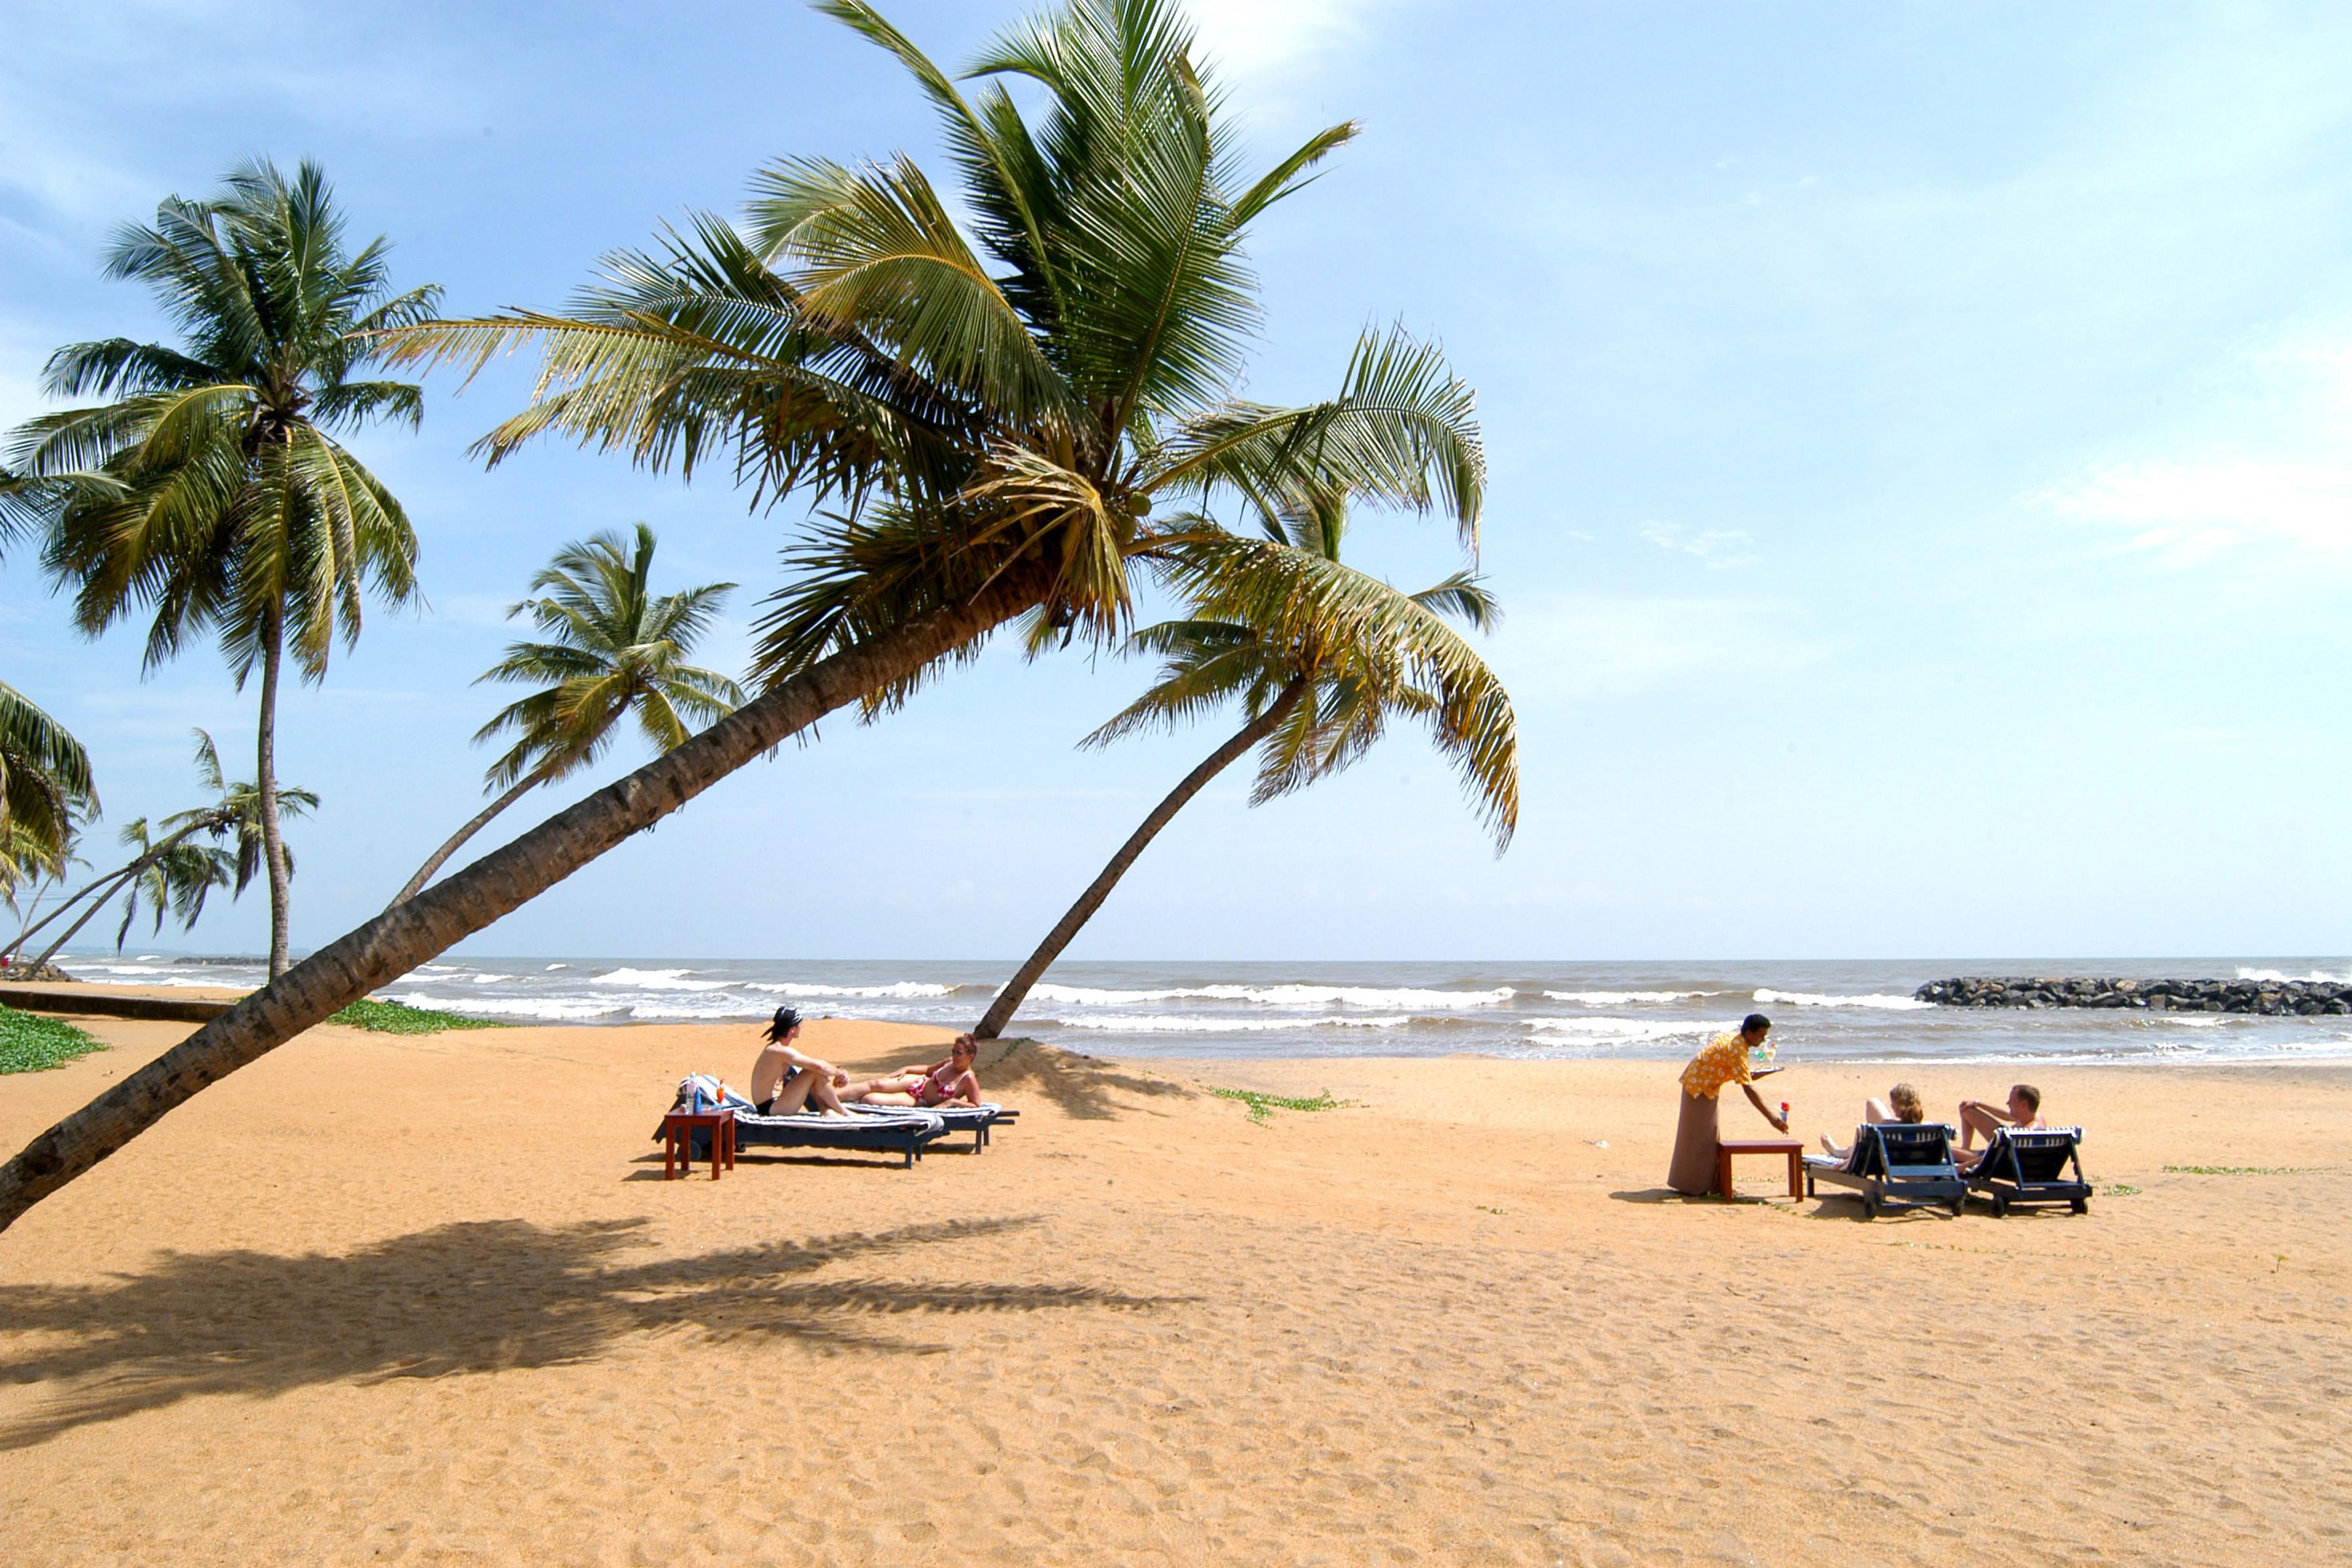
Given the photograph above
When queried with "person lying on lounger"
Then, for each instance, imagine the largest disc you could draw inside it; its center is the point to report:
(1902, 1104)
(786, 1079)
(950, 1082)
(1977, 1116)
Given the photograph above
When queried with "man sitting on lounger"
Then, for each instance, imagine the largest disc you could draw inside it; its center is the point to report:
(950, 1082)
(1977, 1116)
(1902, 1104)
(786, 1079)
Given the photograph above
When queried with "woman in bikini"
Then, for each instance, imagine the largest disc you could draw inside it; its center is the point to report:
(786, 1079)
(1902, 1104)
(950, 1082)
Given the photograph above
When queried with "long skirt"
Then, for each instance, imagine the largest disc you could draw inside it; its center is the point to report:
(1697, 1145)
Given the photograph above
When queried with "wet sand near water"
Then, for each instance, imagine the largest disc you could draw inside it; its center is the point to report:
(427, 1300)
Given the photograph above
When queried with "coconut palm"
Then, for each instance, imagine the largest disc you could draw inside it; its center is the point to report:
(172, 878)
(164, 866)
(1319, 657)
(211, 490)
(45, 786)
(998, 426)
(617, 651)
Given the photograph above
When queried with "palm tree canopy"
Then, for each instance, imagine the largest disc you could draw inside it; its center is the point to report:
(212, 486)
(616, 648)
(237, 807)
(45, 785)
(1043, 399)
(1266, 614)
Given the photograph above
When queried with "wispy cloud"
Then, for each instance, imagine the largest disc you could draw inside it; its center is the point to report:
(2263, 461)
(1261, 38)
(1716, 548)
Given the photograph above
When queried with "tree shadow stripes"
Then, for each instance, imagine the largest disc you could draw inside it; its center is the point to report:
(459, 1300)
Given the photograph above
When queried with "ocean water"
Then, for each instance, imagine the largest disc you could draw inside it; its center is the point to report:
(1821, 1011)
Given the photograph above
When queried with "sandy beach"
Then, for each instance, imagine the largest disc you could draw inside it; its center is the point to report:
(428, 1299)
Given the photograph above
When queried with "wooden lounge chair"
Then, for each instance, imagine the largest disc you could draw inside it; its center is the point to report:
(2029, 1166)
(886, 1130)
(1895, 1164)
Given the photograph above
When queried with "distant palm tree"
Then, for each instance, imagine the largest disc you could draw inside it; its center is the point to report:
(210, 491)
(618, 651)
(1003, 404)
(45, 785)
(1319, 657)
(167, 870)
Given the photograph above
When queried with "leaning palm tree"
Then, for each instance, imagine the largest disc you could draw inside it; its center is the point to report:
(172, 880)
(45, 788)
(235, 812)
(616, 650)
(997, 426)
(1320, 658)
(211, 490)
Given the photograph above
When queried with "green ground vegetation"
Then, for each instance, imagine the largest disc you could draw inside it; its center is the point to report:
(29, 1043)
(400, 1018)
(1262, 1107)
(2241, 1170)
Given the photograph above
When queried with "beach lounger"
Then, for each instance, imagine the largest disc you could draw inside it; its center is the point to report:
(1899, 1164)
(979, 1120)
(883, 1130)
(2021, 1167)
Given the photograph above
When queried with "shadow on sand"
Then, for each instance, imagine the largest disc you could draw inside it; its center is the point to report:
(1084, 1088)
(456, 1299)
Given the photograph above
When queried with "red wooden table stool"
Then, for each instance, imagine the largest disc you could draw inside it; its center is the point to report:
(678, 1141)
(1792, 1148)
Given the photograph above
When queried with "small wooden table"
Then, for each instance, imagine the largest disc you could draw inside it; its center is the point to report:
(1791, 1147)
(678, 1141)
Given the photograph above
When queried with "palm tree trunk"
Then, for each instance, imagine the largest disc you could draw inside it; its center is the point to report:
(1000, 1012)
(114, 885)
(273, 842)
(500, 882)
(457, 839)
(112, 882)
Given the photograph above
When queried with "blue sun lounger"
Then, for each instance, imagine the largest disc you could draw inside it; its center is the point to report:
(1895, 1164)
(2028, 1167)
(980, 1120)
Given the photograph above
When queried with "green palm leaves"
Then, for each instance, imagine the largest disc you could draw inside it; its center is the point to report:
(45, 784)
(615, 650)
(1268, 612)
(1035, 402)
(210, 490)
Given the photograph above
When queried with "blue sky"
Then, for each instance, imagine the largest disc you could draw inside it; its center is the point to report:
(1921, 496)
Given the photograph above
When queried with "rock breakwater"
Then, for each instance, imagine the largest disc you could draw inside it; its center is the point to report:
(2269, 998)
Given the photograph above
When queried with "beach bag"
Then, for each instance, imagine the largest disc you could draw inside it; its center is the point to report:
(700, 1092)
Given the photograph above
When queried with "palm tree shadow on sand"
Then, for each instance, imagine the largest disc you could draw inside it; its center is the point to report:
(458, 1300)
(1081, 1087)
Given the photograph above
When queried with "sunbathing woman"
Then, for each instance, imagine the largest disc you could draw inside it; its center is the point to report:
(950, 1082)
(786, 1079)
(1902, 1104)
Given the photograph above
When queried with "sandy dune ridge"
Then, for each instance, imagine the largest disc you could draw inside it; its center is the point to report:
(427, 1300)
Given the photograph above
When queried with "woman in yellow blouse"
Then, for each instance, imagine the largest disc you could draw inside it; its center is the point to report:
(1697, 1140)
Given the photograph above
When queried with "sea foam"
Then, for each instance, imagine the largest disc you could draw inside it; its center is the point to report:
(1289, 995)
(1884, 1001)
(1172, 1024)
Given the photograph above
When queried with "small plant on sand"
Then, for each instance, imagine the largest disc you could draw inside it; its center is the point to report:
(1262, 1107)
(2241, 1170)
(33, 1044)
(2118, 1189)
(400, 1018)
